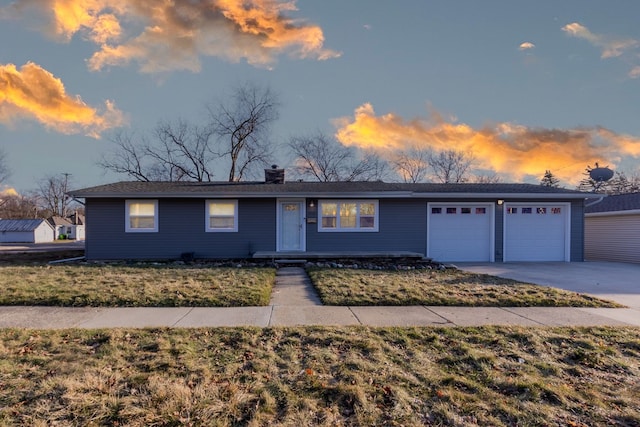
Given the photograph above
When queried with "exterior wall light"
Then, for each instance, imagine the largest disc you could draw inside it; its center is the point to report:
(500, 202)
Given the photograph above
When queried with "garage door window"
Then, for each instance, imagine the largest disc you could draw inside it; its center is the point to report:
(481, 211)
(556, 211)
(527, 210)
(541, 211)
(452, 210)
(436, 210)
(512, 211)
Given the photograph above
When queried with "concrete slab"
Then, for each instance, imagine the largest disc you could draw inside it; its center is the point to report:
(615, 281)
(293, 288)
(563, 316)
(312, 315)
(226, 316)
(398, 316)
(628, 316)
(136, 317)
(45, 317)
(478, 316)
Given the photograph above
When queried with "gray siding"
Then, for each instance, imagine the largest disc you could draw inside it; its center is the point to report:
(613, 238)
(181, 228)
(577, 230)
(402, 227)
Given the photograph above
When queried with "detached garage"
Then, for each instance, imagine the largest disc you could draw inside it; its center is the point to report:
(612, 229)
(25, 231)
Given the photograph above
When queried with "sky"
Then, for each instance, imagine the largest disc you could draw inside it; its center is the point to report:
(524, 86)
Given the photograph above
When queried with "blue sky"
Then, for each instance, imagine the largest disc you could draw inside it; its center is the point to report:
(525, 86)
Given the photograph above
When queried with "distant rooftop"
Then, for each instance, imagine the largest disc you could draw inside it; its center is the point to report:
(620, 202)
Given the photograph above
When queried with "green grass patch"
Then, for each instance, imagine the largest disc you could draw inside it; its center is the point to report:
(498, 376)
(140, 286)
(439, 288)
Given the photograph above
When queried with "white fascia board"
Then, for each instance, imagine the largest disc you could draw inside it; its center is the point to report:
(504, 196)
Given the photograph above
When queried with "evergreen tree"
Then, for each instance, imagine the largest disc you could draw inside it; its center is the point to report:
(549, 180)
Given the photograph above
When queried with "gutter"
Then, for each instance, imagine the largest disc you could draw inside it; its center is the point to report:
(340, 195)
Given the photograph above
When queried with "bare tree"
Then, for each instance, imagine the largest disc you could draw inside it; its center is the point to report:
(52, 194)
(18, 206)
(412, 164)
(450, 166)
(323, 159)
(242, 125)
(236, 133)
(489, 178)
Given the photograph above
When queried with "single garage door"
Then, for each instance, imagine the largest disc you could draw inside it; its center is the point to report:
(536, 232)
(460, 232)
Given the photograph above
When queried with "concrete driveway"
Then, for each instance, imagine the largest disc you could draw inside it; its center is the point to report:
(614, 281)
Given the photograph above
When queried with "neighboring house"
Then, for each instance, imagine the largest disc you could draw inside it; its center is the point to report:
(66, 228)
(61, 226)
(25, 231)
(612, 229)
(446, 222)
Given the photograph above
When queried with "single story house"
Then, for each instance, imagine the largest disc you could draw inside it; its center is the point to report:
(25, 231)
(66, 227)
(612, 228)
(445, 222)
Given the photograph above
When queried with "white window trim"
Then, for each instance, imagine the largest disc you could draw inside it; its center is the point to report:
(357, 229)
(207, 227)
(127, 222)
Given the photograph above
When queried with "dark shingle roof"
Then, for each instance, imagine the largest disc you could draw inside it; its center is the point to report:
(311, 189)
(19, 225)
(620, 202)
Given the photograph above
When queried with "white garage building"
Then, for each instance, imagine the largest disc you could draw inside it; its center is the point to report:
(25, 231)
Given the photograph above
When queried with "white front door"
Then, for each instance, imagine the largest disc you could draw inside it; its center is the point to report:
(290, 234)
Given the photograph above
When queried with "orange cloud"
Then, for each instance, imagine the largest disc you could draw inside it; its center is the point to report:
(8, 191)
(611, 47)
(514, 151)
(526, 46)
(169, 35)
(34, 93)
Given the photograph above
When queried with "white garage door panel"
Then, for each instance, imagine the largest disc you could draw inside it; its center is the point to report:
(536, 232)
(460, 236)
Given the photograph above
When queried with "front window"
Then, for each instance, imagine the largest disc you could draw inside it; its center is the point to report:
(141, 216)
(348, 215)
(222, 215)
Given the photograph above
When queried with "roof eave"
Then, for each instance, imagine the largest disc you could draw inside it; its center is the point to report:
(336, 194)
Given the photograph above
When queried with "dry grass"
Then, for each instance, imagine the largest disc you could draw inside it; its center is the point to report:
(117, 285)
(439, 288)
(498, 376)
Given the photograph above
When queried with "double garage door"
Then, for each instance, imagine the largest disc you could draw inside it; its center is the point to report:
(465, 232)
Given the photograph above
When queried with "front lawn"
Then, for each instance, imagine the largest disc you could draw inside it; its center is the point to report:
(489, 376)
(135, 286)
(439, 288)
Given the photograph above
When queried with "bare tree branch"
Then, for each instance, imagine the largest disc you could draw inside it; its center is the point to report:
(322, 159)
(412, 164)
(450, 166)
(242, 126)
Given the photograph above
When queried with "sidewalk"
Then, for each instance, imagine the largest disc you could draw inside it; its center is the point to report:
(294, 302)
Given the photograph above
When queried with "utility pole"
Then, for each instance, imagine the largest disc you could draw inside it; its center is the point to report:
(64, 194)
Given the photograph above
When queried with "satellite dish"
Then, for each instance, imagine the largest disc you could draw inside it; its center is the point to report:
(599, 174)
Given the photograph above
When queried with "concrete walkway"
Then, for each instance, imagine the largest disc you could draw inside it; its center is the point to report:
(294, 302)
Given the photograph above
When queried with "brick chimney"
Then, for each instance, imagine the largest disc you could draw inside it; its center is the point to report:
(274, 175)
